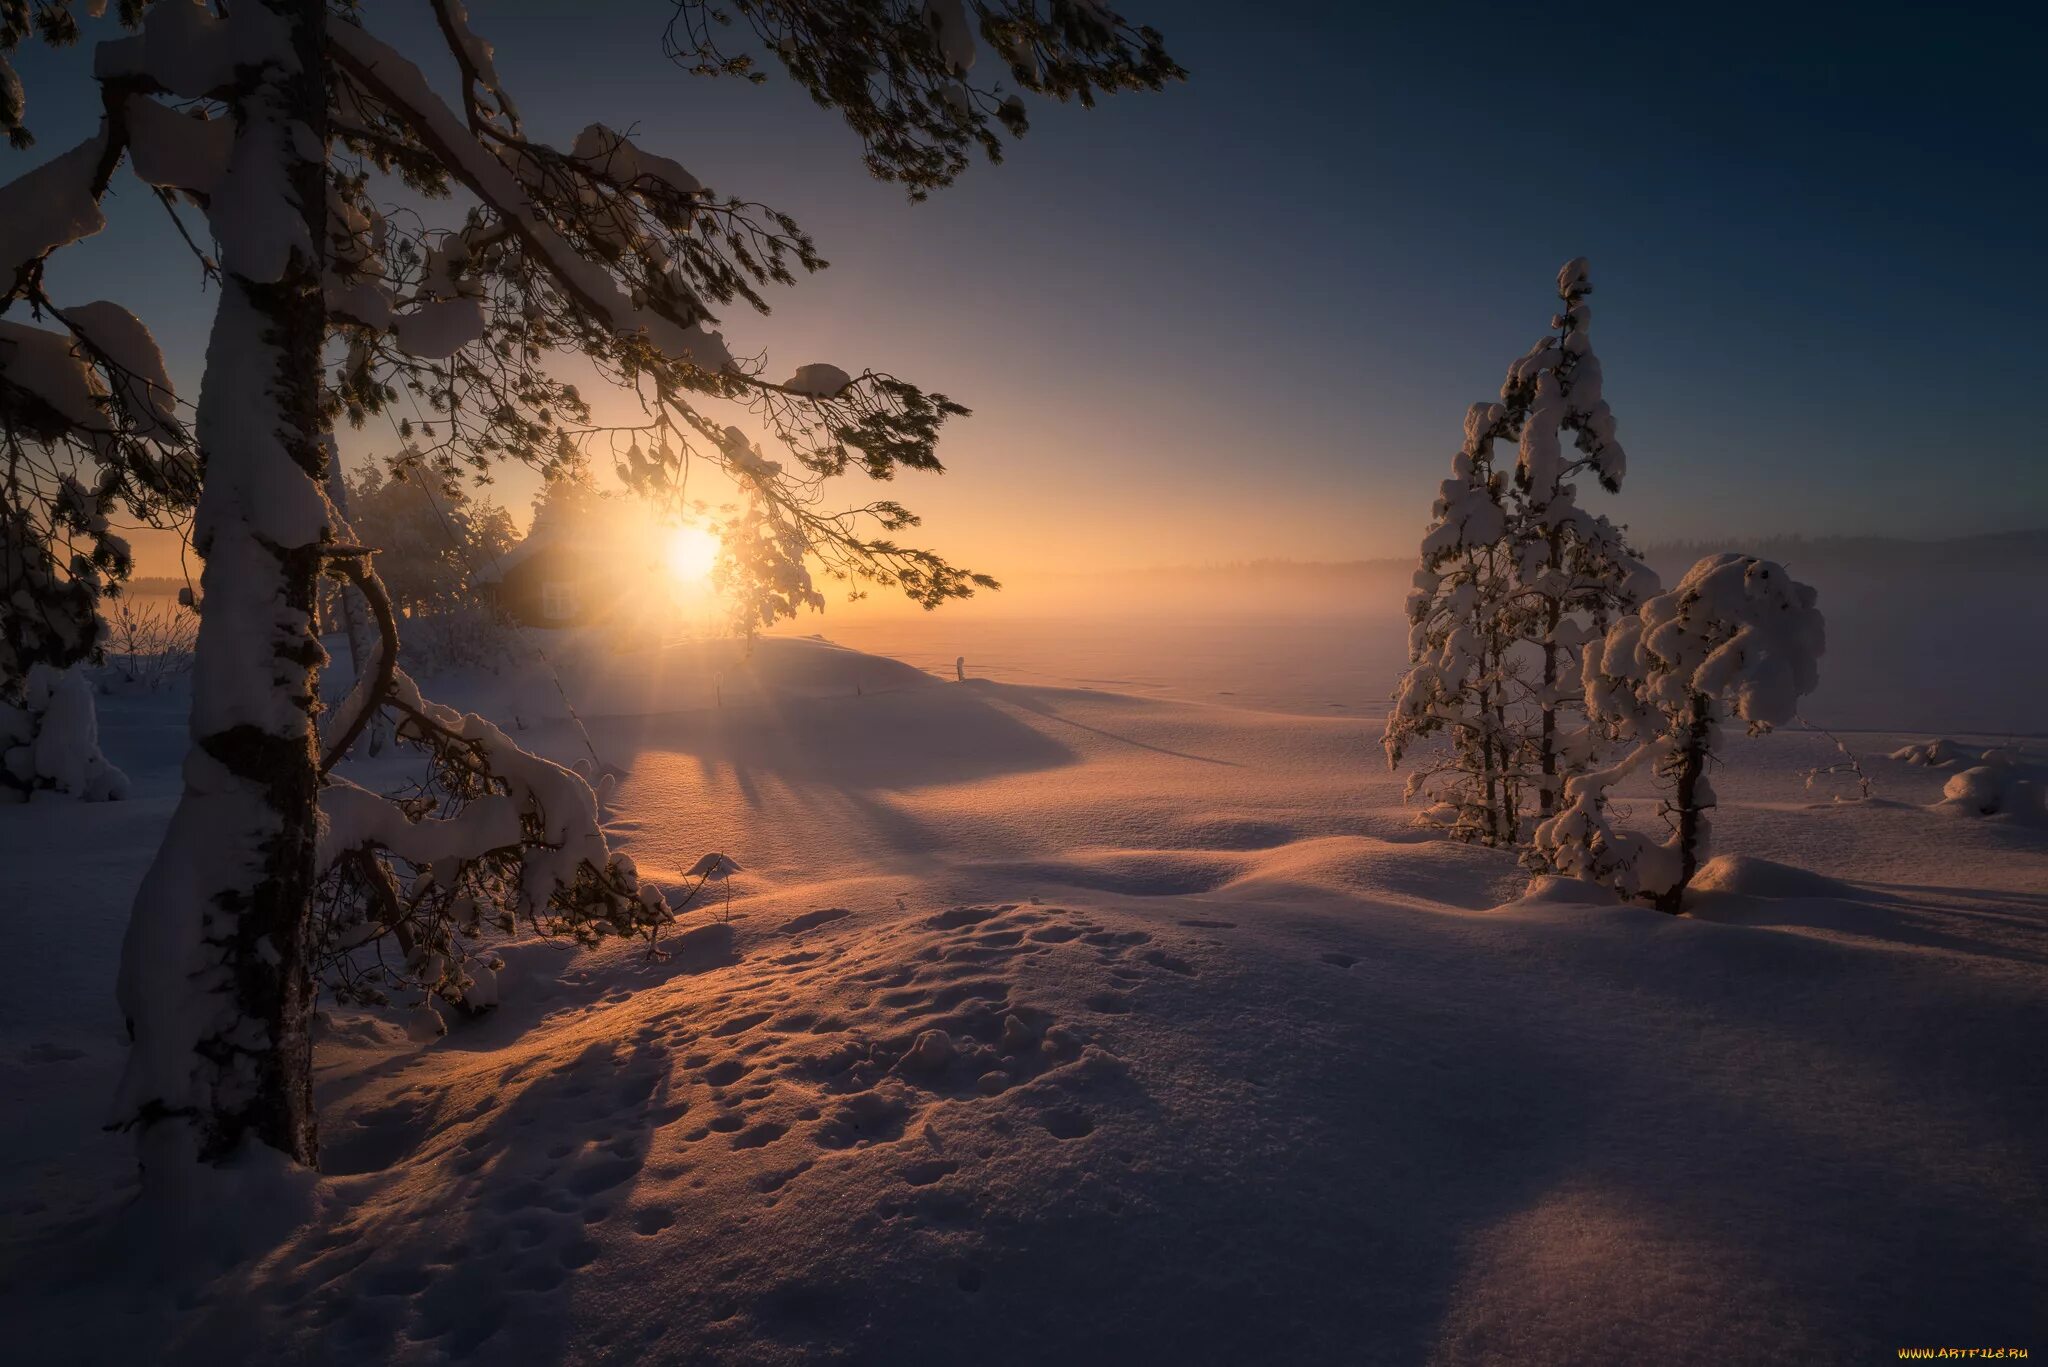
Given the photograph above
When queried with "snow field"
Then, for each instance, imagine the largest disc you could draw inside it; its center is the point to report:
(1058, 1025)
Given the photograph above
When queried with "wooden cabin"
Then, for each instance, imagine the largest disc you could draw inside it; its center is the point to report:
(555, 580)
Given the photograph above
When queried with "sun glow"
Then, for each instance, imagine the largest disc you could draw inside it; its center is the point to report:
(691, 552)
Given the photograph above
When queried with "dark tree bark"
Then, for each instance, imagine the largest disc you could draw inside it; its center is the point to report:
(1687, 802)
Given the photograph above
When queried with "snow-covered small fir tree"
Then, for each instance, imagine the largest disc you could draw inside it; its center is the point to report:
(1574, 572)
(1738, 638)
(1513, 578)
(1458, 643)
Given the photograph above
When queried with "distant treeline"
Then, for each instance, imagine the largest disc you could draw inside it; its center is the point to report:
(1998, 551)
(155, 587)
(2005, 551)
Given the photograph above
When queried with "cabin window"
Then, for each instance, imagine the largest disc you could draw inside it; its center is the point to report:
(557, 599)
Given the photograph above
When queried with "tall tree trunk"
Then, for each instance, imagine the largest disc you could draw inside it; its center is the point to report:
(215, 973)
(1553, 617)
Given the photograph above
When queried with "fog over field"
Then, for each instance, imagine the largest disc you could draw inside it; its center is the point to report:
(1921, 634)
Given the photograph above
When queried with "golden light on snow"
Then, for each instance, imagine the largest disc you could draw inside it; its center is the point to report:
(690, 552)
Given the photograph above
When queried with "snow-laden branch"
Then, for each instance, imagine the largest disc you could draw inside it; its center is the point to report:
(52, 206)
(399, 85)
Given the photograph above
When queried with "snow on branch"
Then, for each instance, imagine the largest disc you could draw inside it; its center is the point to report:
(400, 87)
(619, 254)
(494, 835)
(51, 206)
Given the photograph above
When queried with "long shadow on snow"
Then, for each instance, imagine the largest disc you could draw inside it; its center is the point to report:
(1040, 701)
(1894, 915)
(914, 738)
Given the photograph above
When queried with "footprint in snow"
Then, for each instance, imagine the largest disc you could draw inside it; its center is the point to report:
(1068, 1124)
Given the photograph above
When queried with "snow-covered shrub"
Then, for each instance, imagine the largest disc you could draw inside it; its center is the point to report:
(1738, 639)
(1848, 768)
(51, 741)
(1514, 578)
(1935, 754)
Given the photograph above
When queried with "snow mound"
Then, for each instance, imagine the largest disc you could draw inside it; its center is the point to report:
(1745, 876)
(1997, 790)
(606, 675)
(1550, 890)
(1438, 873)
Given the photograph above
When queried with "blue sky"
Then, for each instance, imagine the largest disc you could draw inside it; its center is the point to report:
(1244, 317)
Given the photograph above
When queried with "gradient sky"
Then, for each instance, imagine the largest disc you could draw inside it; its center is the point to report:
(1243, 317)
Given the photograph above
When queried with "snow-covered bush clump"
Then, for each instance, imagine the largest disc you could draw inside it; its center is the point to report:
(1738, 639)
(1997, 790)
(1514, 578)
(1935, 754)
(51, 741)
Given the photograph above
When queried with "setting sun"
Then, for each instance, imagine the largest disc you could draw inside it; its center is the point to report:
(691, 552)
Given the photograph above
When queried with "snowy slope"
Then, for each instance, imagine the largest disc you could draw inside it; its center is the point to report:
(1234, 1068)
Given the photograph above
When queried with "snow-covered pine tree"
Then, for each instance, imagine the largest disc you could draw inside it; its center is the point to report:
(314, 150)
(1738, 638)
(1459, 636)
(1513, 579)
(1574, 571)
